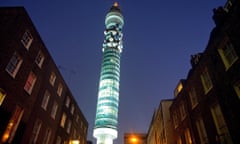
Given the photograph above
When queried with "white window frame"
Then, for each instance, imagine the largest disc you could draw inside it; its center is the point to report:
(206, 80)
(14, 64)
(29, 84)
(45, 100)
(59, 89)
(67, 102)
(236, 87)
(63, 120)
(201, 131)
(36, 130)
(69, 125)
(54, 110)
(27, 39)
(193, 97)
(72, 108)
(220, 124)
(52, 78)
(47, 136)
(228, 54)
(39, 59)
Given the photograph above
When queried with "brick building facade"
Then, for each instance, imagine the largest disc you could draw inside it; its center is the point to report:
(36, 105)
(206, 107)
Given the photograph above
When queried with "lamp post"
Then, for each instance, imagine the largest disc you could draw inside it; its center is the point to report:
(133, 139)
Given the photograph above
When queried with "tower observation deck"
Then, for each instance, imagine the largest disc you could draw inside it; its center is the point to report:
(106, 121)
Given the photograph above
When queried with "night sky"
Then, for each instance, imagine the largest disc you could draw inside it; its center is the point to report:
(159, 36)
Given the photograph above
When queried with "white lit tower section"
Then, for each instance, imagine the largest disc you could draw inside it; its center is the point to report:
(105, 130)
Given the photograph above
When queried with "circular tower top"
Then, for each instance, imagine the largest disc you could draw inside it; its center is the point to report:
(115, 7)
(114, 16)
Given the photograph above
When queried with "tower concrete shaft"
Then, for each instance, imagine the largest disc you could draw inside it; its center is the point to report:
(105, 130)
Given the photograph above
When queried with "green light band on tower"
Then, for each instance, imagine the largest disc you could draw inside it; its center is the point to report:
(105, 130)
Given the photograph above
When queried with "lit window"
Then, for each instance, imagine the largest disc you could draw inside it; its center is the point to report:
(35, 131)
(193, 97)
(45, 100)
(179, 140)
(237, 88)
(14, 64)
(201, 131)
(178, 89)
(228, 54)
(30, 82)
(27, 39)
(188, 136)
(52, 78)
(67, 102)
(72, 108)
(39, 59)
(12, 124)
(69, 124)
(63, 120)
(220, 124)
(47, 136)
(54, 110)
(60, 89)
(206, 81)
(2, 96)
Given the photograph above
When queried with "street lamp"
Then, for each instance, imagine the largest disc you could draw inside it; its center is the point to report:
(133, 139)
(74, 142)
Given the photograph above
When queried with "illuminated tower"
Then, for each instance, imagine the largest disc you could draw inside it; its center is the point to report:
(105, 130)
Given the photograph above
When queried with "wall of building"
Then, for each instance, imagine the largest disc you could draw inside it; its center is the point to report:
(206, 104)
(161, 128)
(31, 105)
(210, 92)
